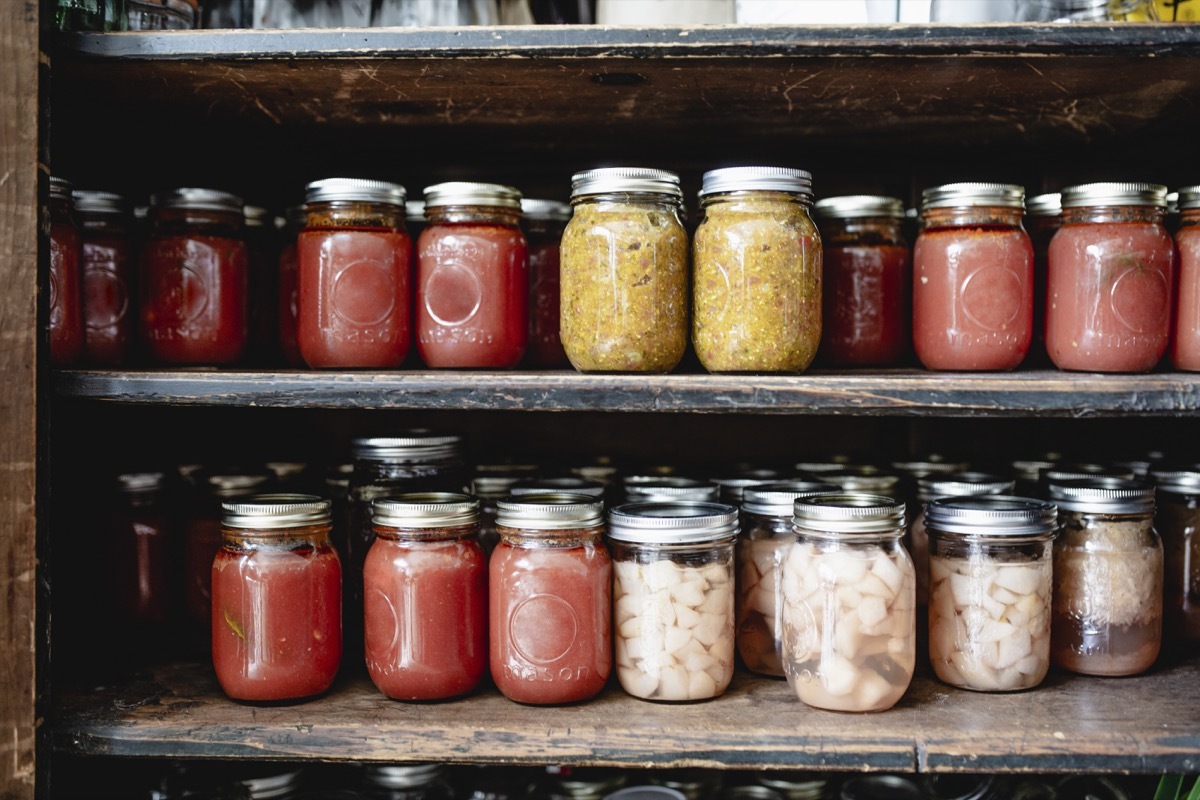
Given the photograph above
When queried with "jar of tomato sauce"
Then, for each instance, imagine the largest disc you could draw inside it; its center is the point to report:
(1185, 347)
(756, 268)
(66, 313)
(868, 281)
(1111, 279)
(425, 597)
(277, 599)
(353, 272)
(194, 279)
(550, 599)
(972, 278)
(1043, 218)
(107, 275)
(545, 221)
(472, 277)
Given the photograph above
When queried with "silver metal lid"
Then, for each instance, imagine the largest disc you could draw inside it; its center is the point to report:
(992, 516)
(60, 188)
(859, 205)
(865, 479)
(962, 484)
(1066, 472)
(647, 488)
(236, 484)
(1044, 205)
(1178, 481)
(266, 787)
(625, 180)
(354, 190)
(492, 487)
(545, 209)
(464, 193)
(1114, 194)
(91, 202)
(416, 444)
(425, 510)
(732, 490)
(756, 179)
(932, 466)
(550, 511)
(1031, 469)
(276, 512)
(565, 483)
(778, 499)
(414, 210)
(200, 200)
(1104, 495)
(835, 464)
(673, 522)
(255, 216)
(1187, 197)
(953, 195)
(138, 482)
(407, 776)
(848, 512)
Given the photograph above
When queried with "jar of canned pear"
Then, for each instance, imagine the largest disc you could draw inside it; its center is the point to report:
(624, 289)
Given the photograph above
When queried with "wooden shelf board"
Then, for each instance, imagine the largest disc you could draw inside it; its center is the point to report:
(1144, 724)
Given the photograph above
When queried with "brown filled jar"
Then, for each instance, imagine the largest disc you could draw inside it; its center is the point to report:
(1177, 520)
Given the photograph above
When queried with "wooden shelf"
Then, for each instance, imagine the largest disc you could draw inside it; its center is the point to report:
(892, 393)
(1069, 724)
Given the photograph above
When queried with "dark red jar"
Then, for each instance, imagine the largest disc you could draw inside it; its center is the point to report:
(194, 279)
(472, 277)
(544, 224)
(107, 264)
(144, 546)
(286, 278)
(66, 314)
(1043, 218)
(867, 277)
(354, 273)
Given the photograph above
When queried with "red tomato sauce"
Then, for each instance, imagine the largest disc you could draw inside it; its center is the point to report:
(107, 313)
(866, 317)
(1185, 352)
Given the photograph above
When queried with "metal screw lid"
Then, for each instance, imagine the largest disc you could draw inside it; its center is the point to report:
(200, 200)
(138, 482)
(570, 484)
(337, 478)
(1031, 469)
(1178, 481)
(962, 484)
(464, 193)
(1066, 472)
(625, 180)
(425, 510)
(732, 490)
(1114, 194)
(1044, 205)
(835, 464)
(953, 195)
(550, 511)
(60, 188)
(988, 516)
(271, 786)
(778, 499)
(415, 444)
(405, 776)
(236, 484)
(354, 190)
(276, 512)
(1104, 495)
(672, 522)
(546, 209)
(1187, 197)
(646, 488)
(866, 479)
(932, 466)
(848, 512)
(414, 211)
(859, 205)
(255, 216)
(91, 202)
(757, 179)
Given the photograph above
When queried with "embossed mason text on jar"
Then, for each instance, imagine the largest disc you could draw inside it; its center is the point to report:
(107, 275)
(1185, 346)
(354, 273)
(66, 312)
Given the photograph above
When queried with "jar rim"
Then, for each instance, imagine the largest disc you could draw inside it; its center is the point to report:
(89, 201)
(355, 190)
(280, 511)
(468, 193)
(1187, 198)
(407, 445)
(569, 484)
(1102, 495)
(756, 179)
(196, 199)
(845, 512)
(962, 484)
(60, 188)
(1001, 517)
(550, 511)
(974, 194)
(778, 498)
(1048, 204)
(1114, 194)
(852, 206)
(626, 180)
(677, 522)
(550, 210)
(425, 510)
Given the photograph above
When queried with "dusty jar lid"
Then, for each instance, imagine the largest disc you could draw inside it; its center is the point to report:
(569, 484)
(962, 484)
(1187, 197)
(60, 188)
(464, 193)
(1114, 194)
(200, 200)
(425, 510)
(848, 512)
(757, 179)
(354, 190)
(672, 522)
(992, 516)
(625, 180)
(550, 511)
(553, 210)
(138, 482)
(1104, 495)
(1178, 481)
(276, 512)
(952, 195)
(647, 488)
(859, 205)
(1044, 205)
(778, 499)
(91, 202)
(415, 445)
(406, 776)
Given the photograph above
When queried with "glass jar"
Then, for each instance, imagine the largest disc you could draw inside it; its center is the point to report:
(972, 278)
(545, 221)
(425, 597)
(668, 489)
(1110, 280)
(107, 275)
(1177, 520)
(550, 590)
(193, 275)
(277, 599)
(472, 277)
(1086, 11)
(144, 547)
(756, 267)
(731, 490)
(848, 618)
(1043, 218)
(353, 272)
(674, 599)
(989, 597)
(162, 15)
(490, 484)
(624, 272)
(1108, 577)
(287, 279)
(66, 296)
(868, 281)
(766, 519)
(262, 254)
(1185, 346)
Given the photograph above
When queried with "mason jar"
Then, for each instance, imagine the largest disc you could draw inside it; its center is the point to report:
(673, 598)
(1185, 345)
(66, 296)
(990, 568)
(545, 221)
(849, 603)
(668, 488)
(107, 277)
(1043, 218)
(1177, 520)
(1108, 577)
